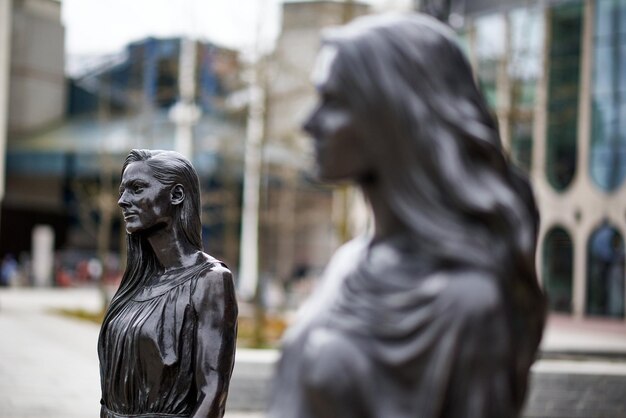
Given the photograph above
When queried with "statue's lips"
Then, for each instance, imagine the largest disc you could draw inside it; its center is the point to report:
(129, 215)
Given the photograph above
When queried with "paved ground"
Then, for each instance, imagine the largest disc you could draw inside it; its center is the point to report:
(48, 363)
(49, 368)
(603, 337)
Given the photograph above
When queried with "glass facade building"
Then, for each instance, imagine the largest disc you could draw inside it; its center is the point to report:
(554, 75)
(608, 95)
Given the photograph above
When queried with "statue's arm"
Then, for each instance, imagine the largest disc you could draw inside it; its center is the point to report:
(216, 308)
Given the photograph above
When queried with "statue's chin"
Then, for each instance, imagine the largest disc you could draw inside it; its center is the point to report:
(131, 230)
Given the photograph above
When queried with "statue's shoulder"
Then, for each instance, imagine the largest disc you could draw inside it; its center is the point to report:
(214, 277)
(213, 294)
(351, 249)
(469, 294)
(347, 255)
(214, 269)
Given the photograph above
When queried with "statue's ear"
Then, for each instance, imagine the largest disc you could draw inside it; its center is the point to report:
(177, 195)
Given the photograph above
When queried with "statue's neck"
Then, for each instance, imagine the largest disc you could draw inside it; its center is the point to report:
(386, 222)
(171, 249)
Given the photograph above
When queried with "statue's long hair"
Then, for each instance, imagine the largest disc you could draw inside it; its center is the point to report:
(442, 169)
(169, 168)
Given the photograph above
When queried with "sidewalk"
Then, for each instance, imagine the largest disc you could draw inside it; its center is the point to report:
(48, 363)
(49, 366)
(565, 335)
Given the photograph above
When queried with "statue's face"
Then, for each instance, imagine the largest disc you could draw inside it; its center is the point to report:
(338, 134)
(145, 202)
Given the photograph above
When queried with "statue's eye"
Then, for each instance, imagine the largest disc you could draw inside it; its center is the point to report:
(333, 100)
(328, 98)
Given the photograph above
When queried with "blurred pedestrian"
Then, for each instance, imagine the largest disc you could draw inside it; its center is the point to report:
(8, 270)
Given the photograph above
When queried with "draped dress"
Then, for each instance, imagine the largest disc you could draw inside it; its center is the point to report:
(384, 337)
(169, 350)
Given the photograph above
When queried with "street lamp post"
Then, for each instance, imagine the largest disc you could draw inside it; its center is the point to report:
(185, 113)
(248, 252)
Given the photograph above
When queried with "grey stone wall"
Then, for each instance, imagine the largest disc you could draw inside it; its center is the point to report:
(551, 395)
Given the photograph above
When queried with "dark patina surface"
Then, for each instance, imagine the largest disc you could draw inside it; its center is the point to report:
(437, 312)
(167, 343)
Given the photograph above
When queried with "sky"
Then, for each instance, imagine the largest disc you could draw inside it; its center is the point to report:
(95, 27)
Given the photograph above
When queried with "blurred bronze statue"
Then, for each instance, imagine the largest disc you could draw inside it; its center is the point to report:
(438, 312)
(167, 343)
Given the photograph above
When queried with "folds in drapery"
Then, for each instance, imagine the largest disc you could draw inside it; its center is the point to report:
(397, 339)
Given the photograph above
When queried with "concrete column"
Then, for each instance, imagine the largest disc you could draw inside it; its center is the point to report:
(5, 70)
(582, 181)
(249, 244)
(186, 113)
(43, 255)
(580, 235)
(583, 174)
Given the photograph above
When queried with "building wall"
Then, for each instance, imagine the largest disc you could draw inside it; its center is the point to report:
(37, 86)
(570, 200)
(35, 101)
(290, 91)
(301, 219)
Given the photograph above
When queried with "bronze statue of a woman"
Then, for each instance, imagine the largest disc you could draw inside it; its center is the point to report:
(167, 343)
(438, 312)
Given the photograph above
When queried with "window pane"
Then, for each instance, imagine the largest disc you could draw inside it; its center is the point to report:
(605, 115)
(524, 68)
(607, 158)
(490, 36)
(607, 150)
(563, 82)
(521, 144)
(604, 17)
(527, 34)
(621, 70)
(489, 52)
(524, 94)
(621, 116)
(557, 269)
(605, 273)
(603, 76)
